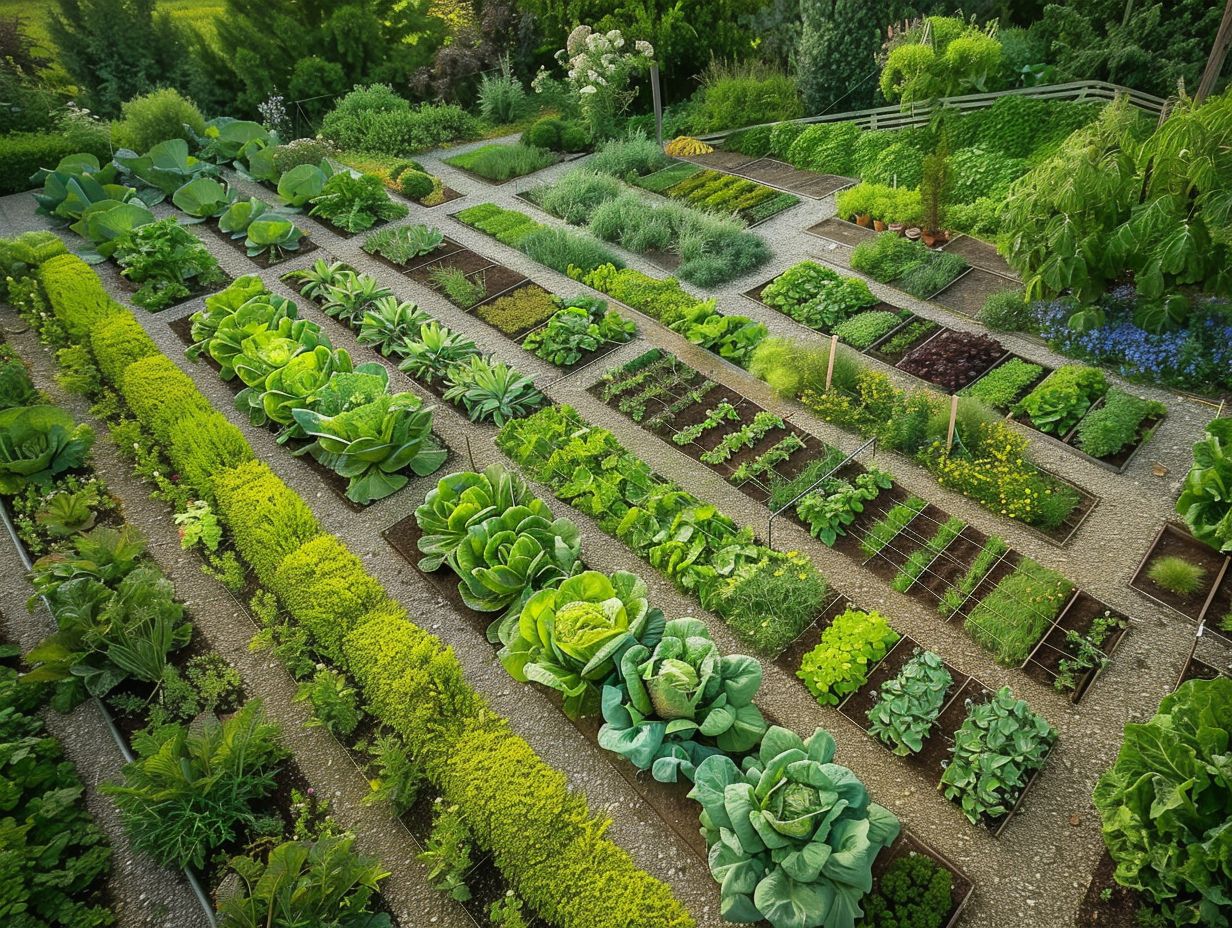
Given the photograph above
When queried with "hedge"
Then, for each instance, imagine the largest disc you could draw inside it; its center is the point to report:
(119, 342)
(541, 835)
(268, 520)
(206, 444)
(326, 590)
(24, 153)
(161, 396)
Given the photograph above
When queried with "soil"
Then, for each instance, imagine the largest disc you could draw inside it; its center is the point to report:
(497, 280)
(983, 255)
(951, 360)
(1220, 606)
(949, 569)
(1119, 910)
(1078, 616)
(968, 293)
(841, 231)
(463, 259)
(720, 160)
(1174, 541)
(790, 657)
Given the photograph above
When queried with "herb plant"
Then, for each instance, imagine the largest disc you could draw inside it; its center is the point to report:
(1011, 619)
(434, 352)
(1177, 575)
(167, 261)
(909, 703)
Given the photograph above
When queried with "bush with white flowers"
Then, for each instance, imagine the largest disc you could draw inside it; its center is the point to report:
(598, 71)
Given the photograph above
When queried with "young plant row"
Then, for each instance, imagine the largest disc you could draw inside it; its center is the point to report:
(202, 790)
(671, 703)
(918, 548)
(562, 332)
(446, 362)
(1074, 404)
(716, 192)
(510, 800)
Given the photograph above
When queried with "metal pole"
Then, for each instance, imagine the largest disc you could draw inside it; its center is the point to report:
(657, 97)
(469, 456)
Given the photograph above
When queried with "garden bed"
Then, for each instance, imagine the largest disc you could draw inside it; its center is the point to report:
(717, 191)
(195, 293)
(983, 255)
(841, 232)
(306, 246)
(952, 360)
(774, 173)
(1117, 462)
(961, 885)
(1080, 615)
(496, 279)
(968, 292)
(447, 247)
(1106, 903)
(1172, 541)
(498, 163)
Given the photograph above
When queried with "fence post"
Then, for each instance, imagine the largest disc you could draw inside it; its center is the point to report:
(949, 433)
(830, 361)
(658, 103)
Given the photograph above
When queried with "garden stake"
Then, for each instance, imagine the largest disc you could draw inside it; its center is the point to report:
(949, 433)
(830, 361)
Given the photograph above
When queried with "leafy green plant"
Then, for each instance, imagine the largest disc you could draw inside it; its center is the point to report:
(202, 198)
(581, 327)
(398, 779)
(355, 203)
(1019, 610)
(747, 436)
(271, 237)
(38, 442)
(56, 858)
(768, 854)
(334, 701)
(1063, 398)
(1171, 852)
(1117, 424)
(299, 185)
(909, 703)
(68, 513)
(1000, 744)
(921, 558)
(863, 329)
(890, 525)
(1205, 502)
(372, 444)
(402, 243)
(914, 892)
(167, 260)
(239, 215)
(389, 324)
(447, 852)
(163, 169)
(460, 289)
(848, 649)
(193, 789)
(954, 597)
(1177, 575)
(675, 704)
(835, 504)
(351, 296)
(816, 296)
(1003, 386)
(319, 882)
(571, 638)
(435, 352)
(491, 391)
(506, 557)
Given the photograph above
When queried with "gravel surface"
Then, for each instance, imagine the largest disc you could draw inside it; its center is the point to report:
(1039, 868)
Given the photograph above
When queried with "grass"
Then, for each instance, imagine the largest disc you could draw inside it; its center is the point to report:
(502, 162)
(953, 598)
(1177, 575)
(891, 524)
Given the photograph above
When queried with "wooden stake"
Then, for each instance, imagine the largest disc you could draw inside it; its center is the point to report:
(830, 361)
(949, 434)
(1219, 51)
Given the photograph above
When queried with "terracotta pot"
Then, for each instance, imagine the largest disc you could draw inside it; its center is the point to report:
(879, 225)
(864, 219)
(897, 228)
(930, 238)
(913, 233)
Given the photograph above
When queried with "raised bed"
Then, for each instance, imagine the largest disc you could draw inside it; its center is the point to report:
(967, 293)
(196, 293)
(306, 246)
(663, 182)
(1117, 463)
(1173, 541)
(961, 885)
(1078, 616)
(952, 360)
(496, 278)
(774, 173)
(447, 247)
(981, 254)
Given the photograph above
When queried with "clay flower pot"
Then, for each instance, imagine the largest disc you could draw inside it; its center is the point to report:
(879, 225)
(864, 219)
(930, 238)
(897, 228)
(913, 233)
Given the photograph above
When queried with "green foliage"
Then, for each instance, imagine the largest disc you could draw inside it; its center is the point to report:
(160, 395)
(666, 703)
(193, 789)
(816, 296)
(267, 520)
(1171, 853)
(354, 204)
(167, 260)
(502, 162)
(401, 244)
(1063, 398)
(520, 310)
(56, 859)
(154, 117)
(38, 442)
(491, 390)
(734, 96)
(1006, 311)
(835, 503)
(447, 852)
(335, 703)
(942, 58)
(1177, 575)
(1019, 611)
(863, 329)
(920, 271)
(1003, 386)
(914, 892)
(909, 703)
(434, 352)
(848, 649)
(838, 38)
(560, 135)
(571, 638)
(1117, 424)
(375, 119)
(582, 326)
(1000, 744)
(1206, 496)
(757, 822)
(319, 882)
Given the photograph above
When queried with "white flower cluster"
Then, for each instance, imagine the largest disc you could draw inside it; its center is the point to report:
(594, 60)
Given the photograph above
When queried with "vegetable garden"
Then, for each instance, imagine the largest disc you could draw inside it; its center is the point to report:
(510, 518)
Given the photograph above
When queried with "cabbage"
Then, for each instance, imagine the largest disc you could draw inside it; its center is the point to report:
(38, 442)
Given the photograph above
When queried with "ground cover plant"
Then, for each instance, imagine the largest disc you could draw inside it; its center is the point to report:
(502, 162)
(717, 192)
(907, 265)
(841, 661)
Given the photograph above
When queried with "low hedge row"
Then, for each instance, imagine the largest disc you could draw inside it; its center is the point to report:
(24, 153)
(541, 835)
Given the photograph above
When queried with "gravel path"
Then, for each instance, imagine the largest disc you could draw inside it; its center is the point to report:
(1039, 868)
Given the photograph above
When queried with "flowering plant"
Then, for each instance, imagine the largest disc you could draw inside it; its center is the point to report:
(598, 71)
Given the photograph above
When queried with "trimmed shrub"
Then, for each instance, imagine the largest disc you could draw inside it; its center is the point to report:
(119, 342)
(205, 445)
(76, 295)
(557, 135)
(23, 153)
(267, 519)
(326, 589)
(155, 117)
(161, 396)
(415, 185)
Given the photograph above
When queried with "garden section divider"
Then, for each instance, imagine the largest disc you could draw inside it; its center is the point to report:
(936, 569)
(1210, 656)
(541, 836)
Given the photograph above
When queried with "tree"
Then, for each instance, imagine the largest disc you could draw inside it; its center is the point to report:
(265, 47)
(836, 56)
(117, 49)
(941, 57)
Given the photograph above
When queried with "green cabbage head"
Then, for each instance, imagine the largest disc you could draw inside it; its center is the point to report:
(672, 707)
(571, 638)
(792, 836)
(505, 558)
(38, 442)
(466, 498)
